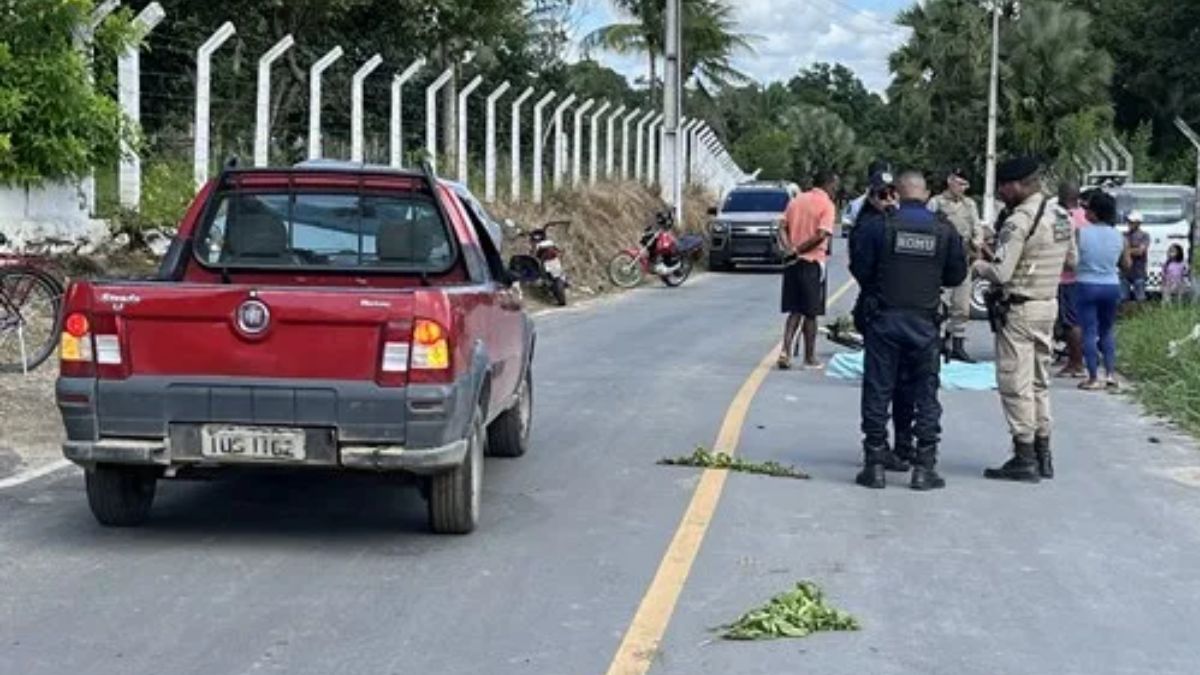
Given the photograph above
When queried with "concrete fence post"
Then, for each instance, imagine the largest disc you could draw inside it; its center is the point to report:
(84, 38)
(640, 155)
(262, 116)
(514, 186)
(594, 141)
(200, 135)
(463, 95)
(356, 106)
(610, 142)
(396, 123)
(129, 92)
(314, 100)
(538, 151)
(577, 143)
(431, 119)
(636, 112)
(559, 154)
(653, 143)
(489, 143)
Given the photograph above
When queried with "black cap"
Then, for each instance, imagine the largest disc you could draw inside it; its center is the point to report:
(878, 166)
(1018, 168)
(959, 173)
(880, 180)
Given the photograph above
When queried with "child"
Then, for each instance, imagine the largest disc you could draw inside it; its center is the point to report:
(1177, 282)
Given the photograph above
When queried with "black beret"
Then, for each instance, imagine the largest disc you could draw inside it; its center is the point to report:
(959, 173)
(1018, 168)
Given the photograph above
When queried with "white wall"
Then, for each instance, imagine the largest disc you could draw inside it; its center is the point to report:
(54, 211)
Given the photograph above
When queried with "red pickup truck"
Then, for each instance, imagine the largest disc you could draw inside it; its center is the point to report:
(334, 317)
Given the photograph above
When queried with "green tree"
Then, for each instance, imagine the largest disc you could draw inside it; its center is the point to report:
(767, 148)
(53, 124)
(709, 40)
(822, 141)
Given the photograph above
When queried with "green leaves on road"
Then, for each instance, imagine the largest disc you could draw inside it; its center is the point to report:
(704, 459)
(797, 613)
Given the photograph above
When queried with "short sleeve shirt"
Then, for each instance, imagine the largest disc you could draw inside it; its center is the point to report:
(1078, 219)
(1137, 268)
(808, 213)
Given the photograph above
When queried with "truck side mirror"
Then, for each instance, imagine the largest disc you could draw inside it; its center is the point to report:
(712, 211)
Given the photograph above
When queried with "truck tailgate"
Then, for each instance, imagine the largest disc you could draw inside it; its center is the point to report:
(214, 331)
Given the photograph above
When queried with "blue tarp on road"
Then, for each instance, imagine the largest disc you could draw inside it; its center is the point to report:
(956, 376)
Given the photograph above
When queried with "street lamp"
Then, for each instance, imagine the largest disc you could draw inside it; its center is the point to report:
(1011, 8)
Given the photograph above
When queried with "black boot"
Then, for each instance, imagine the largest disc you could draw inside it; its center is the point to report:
(958, 350)
(924, 476)
(874, 474)
(899, 458)
(1023, 466)
(1045, 460)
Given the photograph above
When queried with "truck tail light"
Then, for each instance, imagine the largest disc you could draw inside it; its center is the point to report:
(394, 355)
(431, 349)
(75, 347)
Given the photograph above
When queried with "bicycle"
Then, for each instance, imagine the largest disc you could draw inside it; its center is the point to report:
(31, 293)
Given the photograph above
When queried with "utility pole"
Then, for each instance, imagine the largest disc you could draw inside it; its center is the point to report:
(671, 175)
(989, 185)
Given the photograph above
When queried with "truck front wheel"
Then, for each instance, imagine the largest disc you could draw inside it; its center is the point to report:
(121, 496)
(454, 496)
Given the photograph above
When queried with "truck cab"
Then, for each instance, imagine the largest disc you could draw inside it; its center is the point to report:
(744, 229)
(1168, 213)
(332, 317)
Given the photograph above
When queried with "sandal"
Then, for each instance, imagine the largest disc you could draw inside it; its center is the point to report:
(1092, 385)
(1071, 373)
(1112, 385)
(784, 362)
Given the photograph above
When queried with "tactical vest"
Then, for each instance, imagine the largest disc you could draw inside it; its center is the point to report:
(1037, 274)
(910, 269)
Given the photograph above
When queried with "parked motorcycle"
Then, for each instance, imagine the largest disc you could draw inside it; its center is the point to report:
(543, 265)
(660, 252)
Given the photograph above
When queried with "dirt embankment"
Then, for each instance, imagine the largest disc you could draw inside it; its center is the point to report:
(604, 220)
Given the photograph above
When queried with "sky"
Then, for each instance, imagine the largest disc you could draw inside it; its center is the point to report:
(793, 34)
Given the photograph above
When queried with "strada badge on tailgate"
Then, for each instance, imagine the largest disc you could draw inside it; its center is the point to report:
(253, 317)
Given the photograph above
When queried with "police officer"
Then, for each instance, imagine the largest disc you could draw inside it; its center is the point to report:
(1032, 247)
(879, 202)
(904, 261)
(960, 210)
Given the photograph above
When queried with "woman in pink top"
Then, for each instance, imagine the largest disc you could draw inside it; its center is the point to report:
(1068, 313)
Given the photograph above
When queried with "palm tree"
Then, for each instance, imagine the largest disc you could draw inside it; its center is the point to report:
(1052, 71)
(709, 39)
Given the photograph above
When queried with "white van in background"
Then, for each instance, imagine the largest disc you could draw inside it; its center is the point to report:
(1167, 211)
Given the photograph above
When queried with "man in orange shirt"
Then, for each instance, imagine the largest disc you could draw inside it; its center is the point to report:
(809, 222)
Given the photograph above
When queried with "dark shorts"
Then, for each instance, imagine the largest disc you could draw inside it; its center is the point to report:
(1068, 314)
(803, 289)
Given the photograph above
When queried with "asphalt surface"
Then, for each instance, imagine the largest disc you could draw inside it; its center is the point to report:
(1092, 573)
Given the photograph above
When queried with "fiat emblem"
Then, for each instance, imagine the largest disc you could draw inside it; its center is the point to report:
(253, 317)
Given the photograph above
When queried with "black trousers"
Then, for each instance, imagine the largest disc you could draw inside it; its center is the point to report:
(902, 356)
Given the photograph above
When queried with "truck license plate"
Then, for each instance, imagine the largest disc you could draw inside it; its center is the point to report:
(252, 443)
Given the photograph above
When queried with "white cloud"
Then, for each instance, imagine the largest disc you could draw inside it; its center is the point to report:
(795, 34)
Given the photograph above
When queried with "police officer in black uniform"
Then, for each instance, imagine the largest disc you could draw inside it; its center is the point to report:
(902, 262)
(879, 202)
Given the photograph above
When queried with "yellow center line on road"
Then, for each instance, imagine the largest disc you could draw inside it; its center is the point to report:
(645, 633)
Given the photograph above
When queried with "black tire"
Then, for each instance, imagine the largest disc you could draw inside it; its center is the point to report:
(715, 265)
(39, 312)
(454, 496)
(624, 270)
(680, 275)
(121, 496)
(508, 435)
(558, 289)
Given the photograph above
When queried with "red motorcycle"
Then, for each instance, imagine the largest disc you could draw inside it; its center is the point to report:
(660, 252)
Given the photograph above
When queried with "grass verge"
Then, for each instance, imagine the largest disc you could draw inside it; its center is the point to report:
(704, 459)
(1156, 350)
(799, 612)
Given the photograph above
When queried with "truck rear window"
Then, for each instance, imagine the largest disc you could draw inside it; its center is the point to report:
(325, 231)
(756, 201)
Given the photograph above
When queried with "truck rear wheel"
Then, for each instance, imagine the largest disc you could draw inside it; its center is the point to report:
(454, 496)
(508, 435)
(120, 496)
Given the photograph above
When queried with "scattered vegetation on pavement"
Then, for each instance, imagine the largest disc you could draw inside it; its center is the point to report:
(799, 612)
(702, 458)
(1159, 349)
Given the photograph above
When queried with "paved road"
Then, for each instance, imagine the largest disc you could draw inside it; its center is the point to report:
(1094, 573)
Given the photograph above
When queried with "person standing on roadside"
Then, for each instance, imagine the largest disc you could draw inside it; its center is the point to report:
(960, 210)
(1102, 252)
(809, 221)
(1139, 250)
(1031, 249)
(904, 260)
(1068, 317)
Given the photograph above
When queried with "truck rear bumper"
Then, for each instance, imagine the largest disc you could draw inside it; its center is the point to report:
(357, 457)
